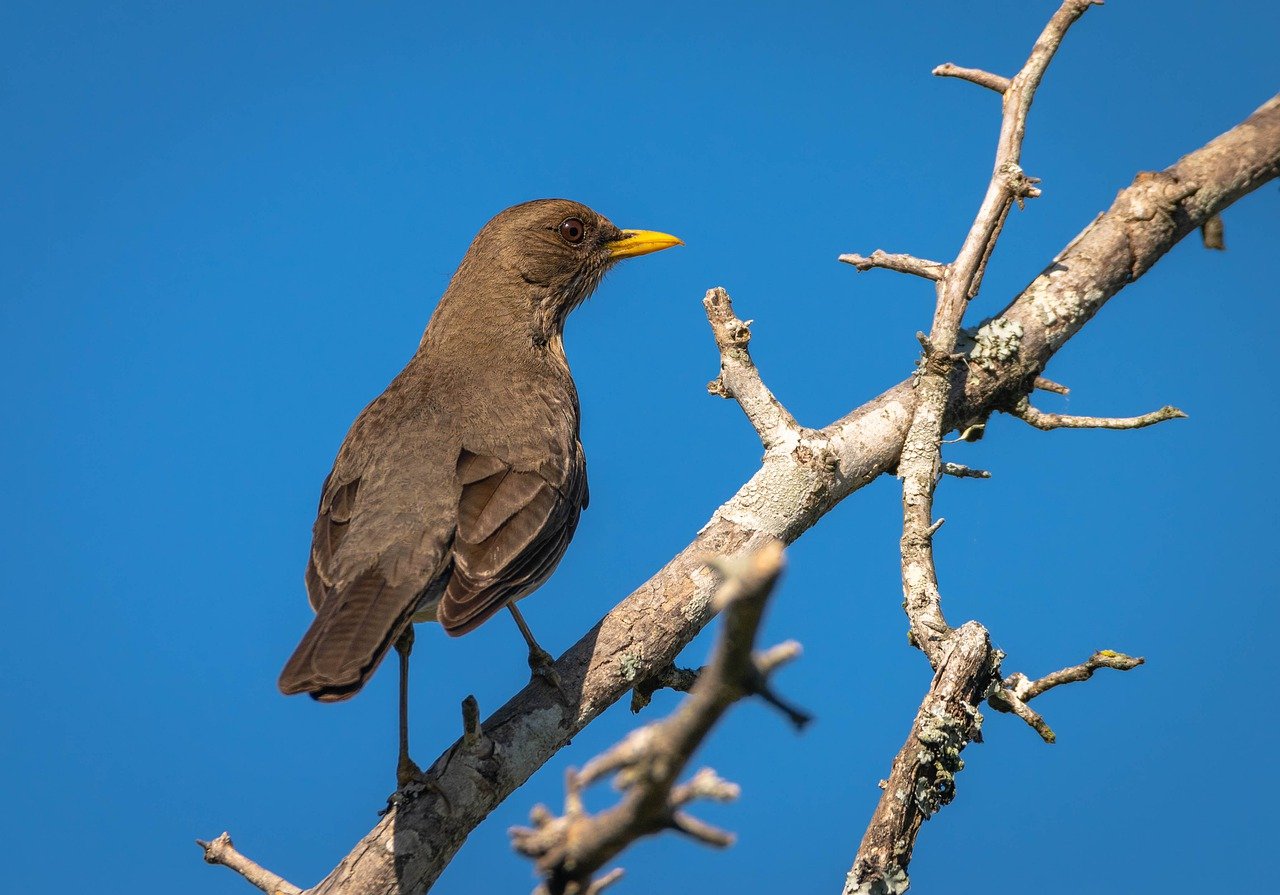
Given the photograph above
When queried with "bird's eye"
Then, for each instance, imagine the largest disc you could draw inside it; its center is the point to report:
(572, 231)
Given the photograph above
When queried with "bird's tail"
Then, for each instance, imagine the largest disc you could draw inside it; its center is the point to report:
(351, 633)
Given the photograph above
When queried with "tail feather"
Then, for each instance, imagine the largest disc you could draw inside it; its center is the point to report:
(349, 637)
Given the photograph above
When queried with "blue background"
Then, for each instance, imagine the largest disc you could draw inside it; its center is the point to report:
(225, 226)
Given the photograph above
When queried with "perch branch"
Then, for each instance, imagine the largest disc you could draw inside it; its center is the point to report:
(1042, 420)
(569, 850)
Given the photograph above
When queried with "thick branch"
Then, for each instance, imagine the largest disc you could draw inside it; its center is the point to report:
(222, 851)
(569, 850)
(413, 843)
(1042, 420)
(740, 379)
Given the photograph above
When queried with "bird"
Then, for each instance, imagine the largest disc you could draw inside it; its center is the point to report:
(456, 491)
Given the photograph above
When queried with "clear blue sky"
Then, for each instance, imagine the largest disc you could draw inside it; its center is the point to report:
(225, 226)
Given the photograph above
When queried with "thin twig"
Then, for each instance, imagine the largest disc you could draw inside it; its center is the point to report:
(977, 76)
(1048, 385)
(222, 851)
(1024, 411)
(1017, 690)
(1029, 689)
(919, 267)
(960, 471)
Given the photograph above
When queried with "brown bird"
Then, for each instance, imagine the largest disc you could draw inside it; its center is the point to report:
(456, 491)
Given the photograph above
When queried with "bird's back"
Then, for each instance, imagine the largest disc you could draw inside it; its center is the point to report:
(461, 483)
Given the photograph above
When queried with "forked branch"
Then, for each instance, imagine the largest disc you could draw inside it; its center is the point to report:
(568, 850)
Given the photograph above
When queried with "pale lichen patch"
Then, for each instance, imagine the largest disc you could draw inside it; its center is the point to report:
(996, 342)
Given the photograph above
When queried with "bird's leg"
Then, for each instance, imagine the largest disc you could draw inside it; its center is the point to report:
(407, 771)
(540, 661)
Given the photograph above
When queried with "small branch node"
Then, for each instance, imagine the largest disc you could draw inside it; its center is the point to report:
(472, 733)
(961, 471)
(1213, 235)
(671, 677)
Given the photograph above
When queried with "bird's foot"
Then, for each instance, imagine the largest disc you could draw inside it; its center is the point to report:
(543, 666)
(408, 772)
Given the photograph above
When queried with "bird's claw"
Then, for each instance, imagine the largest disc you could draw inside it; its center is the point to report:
(408, 772)
(543, 666)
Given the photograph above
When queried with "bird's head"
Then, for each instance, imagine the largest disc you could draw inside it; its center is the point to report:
(560, 250)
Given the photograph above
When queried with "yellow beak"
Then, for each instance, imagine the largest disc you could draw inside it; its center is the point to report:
(640, 242)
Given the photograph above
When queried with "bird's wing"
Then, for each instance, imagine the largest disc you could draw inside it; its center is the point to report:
(513, 528)
(381, 535)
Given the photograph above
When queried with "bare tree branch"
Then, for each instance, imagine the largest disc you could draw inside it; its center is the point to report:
(923, 775)
(418, 837)
(920, 267)
(222, 851)
(569, 850)
(739, 379)
(1016, 690)
(1024, 411)
(919, 465)
(974, 75)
